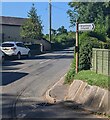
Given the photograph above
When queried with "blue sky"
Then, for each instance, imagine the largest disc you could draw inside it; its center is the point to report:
(59, 15)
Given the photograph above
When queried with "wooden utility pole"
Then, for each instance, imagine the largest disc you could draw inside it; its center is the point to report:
(50, 11)
(77, 48)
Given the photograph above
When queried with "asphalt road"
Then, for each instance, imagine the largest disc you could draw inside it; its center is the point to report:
(25, 81)
(30, 78)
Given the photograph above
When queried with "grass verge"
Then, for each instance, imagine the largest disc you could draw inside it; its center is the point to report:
(93, 79)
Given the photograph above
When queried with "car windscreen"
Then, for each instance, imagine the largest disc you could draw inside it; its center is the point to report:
(7, 45)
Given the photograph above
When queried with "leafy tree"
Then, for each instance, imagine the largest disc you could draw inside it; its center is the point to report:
(46, 36)
(62, 30)
(96, 12)
(32, 27)
(53, 31)
(61, 38)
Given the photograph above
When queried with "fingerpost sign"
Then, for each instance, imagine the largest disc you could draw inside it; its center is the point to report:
(81, 27)
(86, 27)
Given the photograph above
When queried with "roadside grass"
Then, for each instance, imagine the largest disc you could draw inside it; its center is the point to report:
(103, 115)
(92, 78)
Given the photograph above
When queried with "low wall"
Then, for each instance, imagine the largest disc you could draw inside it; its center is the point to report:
(93, 98)
(35, 49)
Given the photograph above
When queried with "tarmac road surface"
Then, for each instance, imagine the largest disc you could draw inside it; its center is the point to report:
(25, 81)
(30, 78)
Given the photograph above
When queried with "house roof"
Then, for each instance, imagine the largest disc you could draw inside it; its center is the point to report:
(46, 40)
(4, 20)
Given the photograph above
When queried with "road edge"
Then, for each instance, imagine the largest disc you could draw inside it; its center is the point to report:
(48, 97)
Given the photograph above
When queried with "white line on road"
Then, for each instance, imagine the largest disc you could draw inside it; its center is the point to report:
(44, 61)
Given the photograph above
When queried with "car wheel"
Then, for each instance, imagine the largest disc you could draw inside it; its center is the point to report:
(18, 56)
(29, 54)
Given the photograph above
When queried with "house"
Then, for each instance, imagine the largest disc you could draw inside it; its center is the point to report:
(10, 31)
(45, 44)
(10, 28)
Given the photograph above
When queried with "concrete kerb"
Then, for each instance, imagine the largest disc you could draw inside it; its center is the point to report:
(48, 97)
(93, 98)
(98, 96)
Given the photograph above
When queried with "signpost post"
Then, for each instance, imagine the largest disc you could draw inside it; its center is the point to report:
(77, 48)
(81, 27)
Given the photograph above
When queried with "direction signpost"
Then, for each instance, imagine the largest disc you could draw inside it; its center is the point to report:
(81, 27)
(86, 27)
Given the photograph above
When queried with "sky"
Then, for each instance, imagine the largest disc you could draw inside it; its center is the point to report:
(59, 15)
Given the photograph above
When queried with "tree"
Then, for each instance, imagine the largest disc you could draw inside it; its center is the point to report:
(32, 27)
(53, 31)
(96, 12)
(62, 30)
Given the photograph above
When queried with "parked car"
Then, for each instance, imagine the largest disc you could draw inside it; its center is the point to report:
(17, 49)
(2, 56)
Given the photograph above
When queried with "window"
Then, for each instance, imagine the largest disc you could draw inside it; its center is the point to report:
(20, 44)
(7, 45)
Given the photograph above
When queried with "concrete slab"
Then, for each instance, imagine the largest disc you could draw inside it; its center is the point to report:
(105, 104)
(84, 94)
(79, 91)
(59, 92)
(97, 98)
(74, 88)
(90, 97)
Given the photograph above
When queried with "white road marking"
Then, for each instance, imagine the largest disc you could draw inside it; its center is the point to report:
(44, 61)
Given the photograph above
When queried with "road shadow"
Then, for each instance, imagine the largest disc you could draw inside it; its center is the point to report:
(35, 109)
(68, 50)
(13, 59)
(10, 77)
(9, 68)
(11, 63)
(61, 110)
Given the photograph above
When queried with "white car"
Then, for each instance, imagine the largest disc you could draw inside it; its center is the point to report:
(2, 57)
(15, 49)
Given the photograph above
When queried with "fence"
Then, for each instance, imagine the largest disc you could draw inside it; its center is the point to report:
(101, 61)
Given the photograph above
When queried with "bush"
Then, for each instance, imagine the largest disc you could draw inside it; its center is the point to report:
(70, 74)
(86, 38)
(56, 46)
(86, 43)
(99, 36)
(85, 55)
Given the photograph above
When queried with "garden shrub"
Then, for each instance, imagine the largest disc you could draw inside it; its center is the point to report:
(85, 50)
(71, 72)
(85, 54)
(86, 43)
